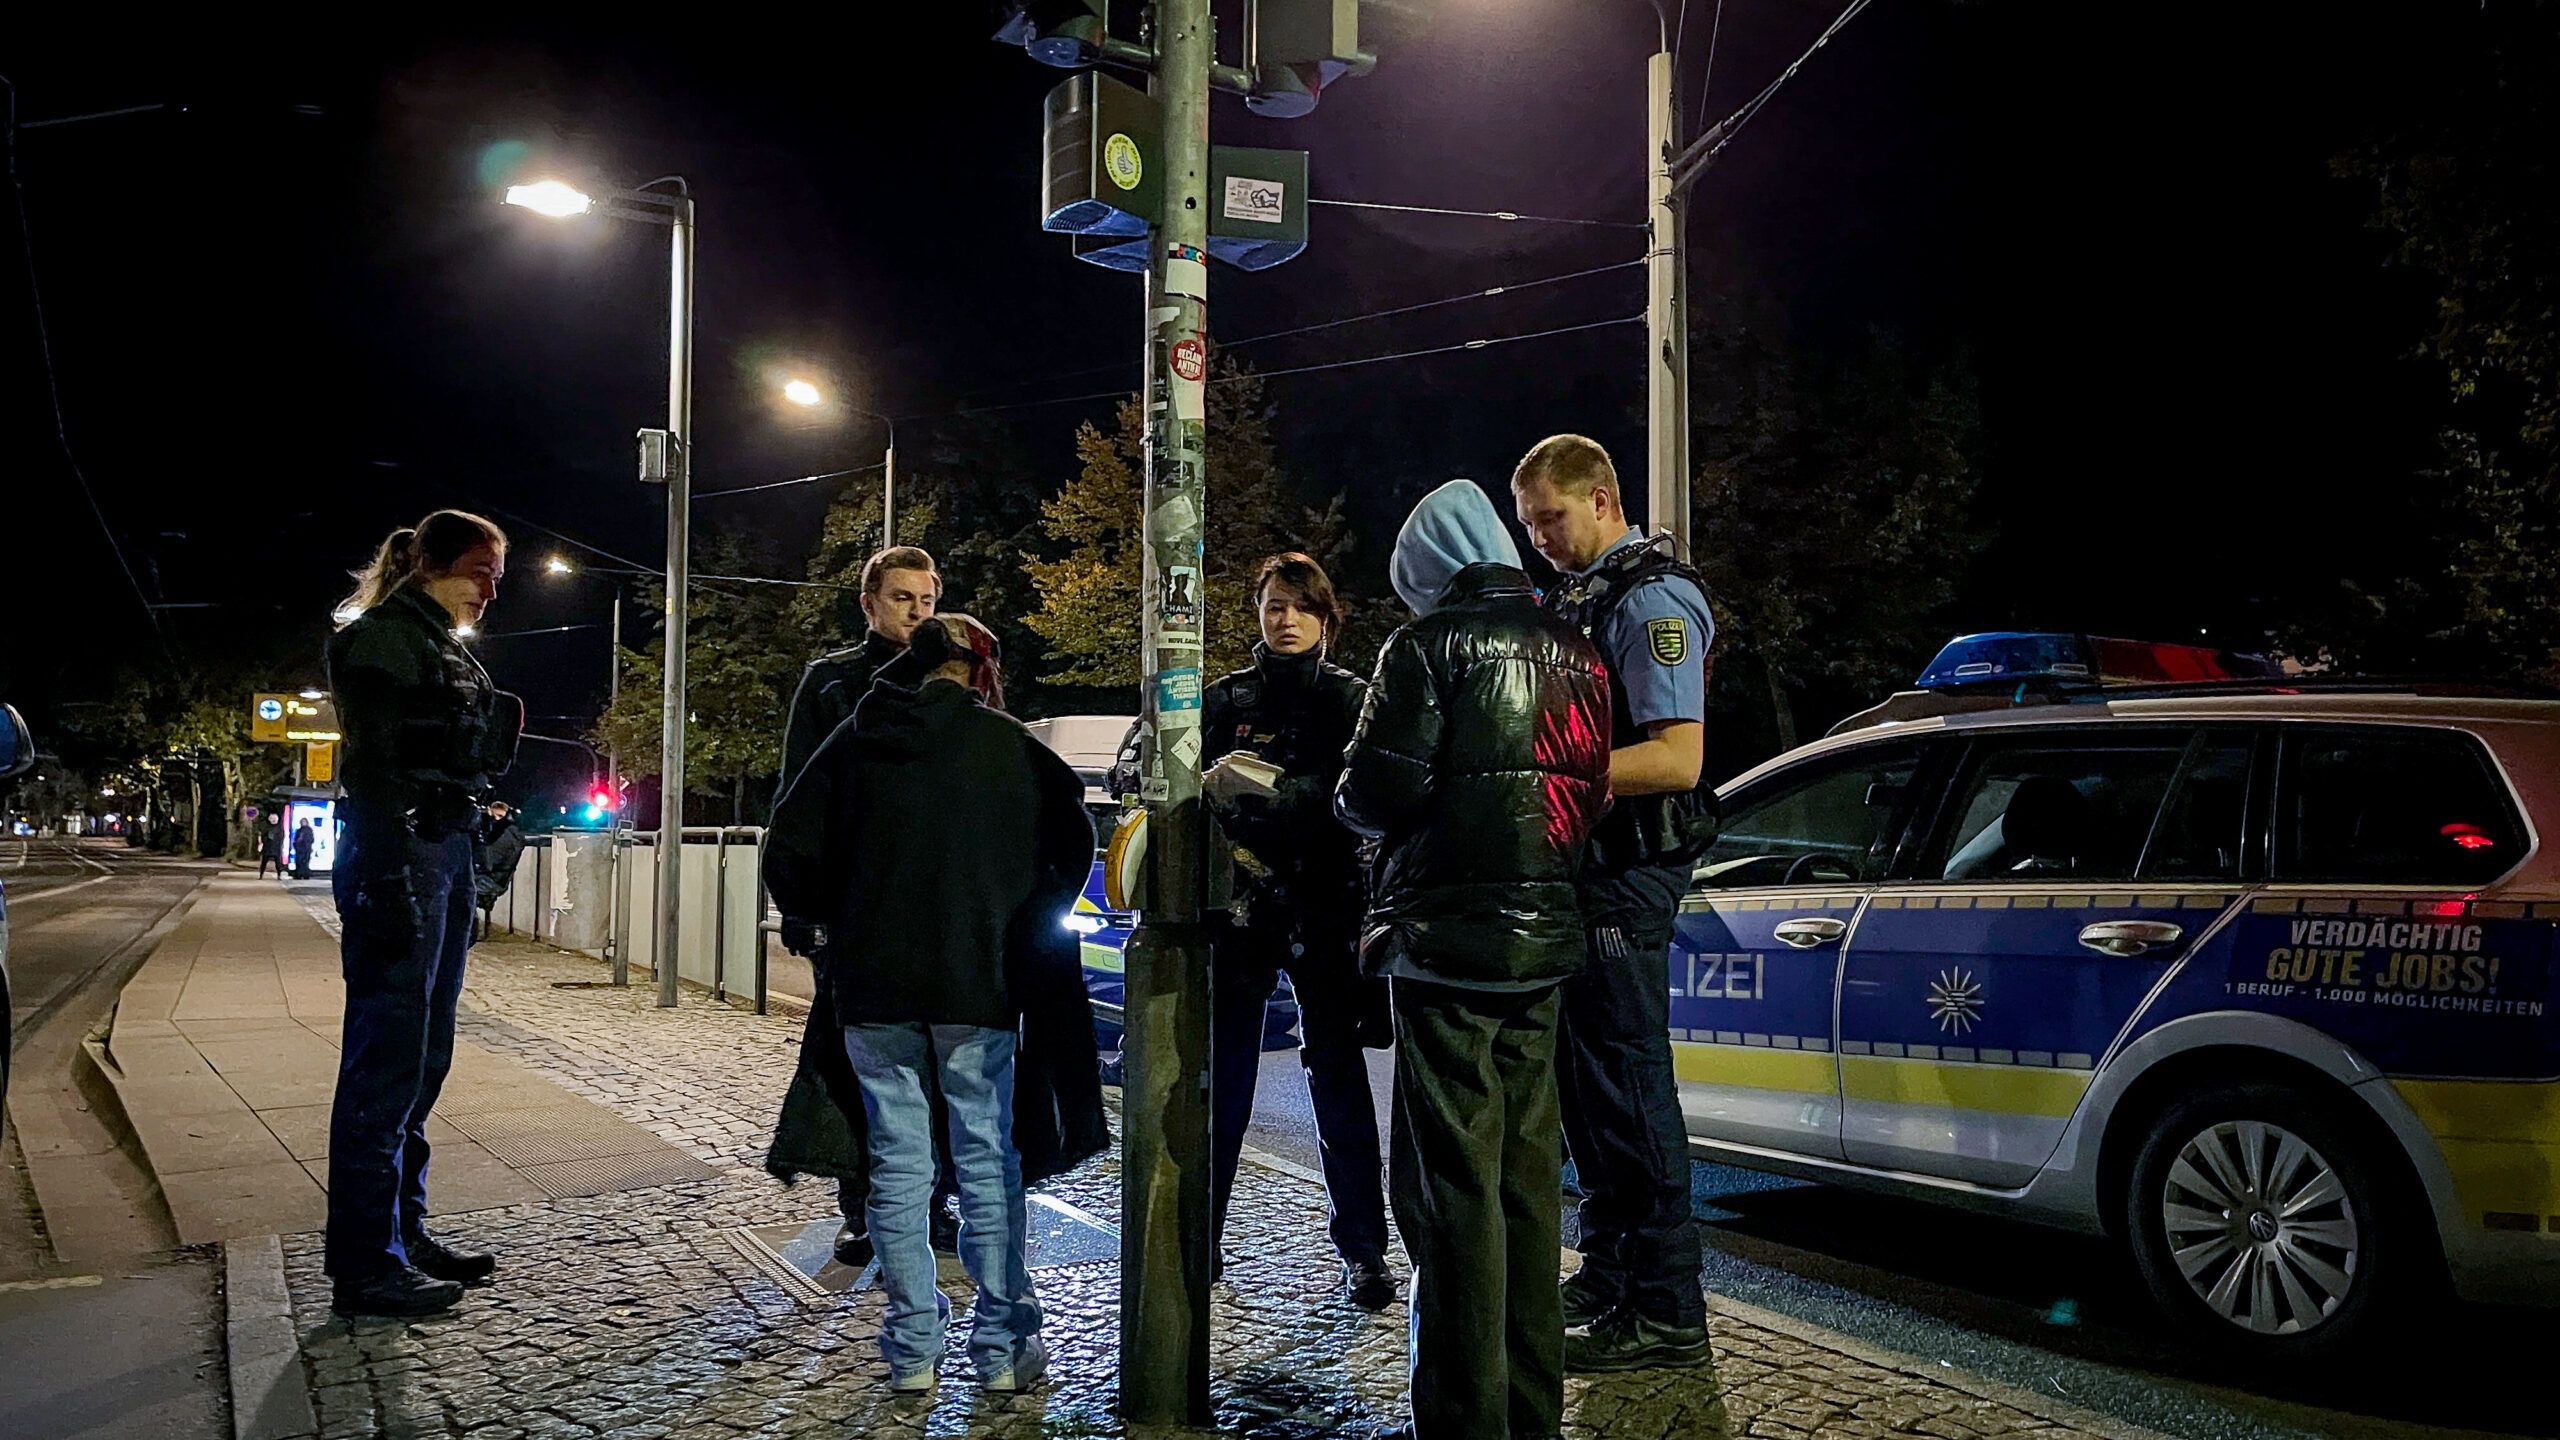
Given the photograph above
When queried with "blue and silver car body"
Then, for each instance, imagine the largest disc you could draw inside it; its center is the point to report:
(1949, 1028)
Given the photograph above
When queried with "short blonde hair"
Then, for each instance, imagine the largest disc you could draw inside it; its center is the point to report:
(1572, 465)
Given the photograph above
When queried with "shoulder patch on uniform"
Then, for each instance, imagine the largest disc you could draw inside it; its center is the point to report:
(1669, 637)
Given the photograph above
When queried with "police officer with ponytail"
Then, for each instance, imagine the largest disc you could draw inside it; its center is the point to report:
(425, 733)
(1636, 1302)
(1299, 901)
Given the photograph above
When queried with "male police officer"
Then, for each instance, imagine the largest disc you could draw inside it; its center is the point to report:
(1636, 1301)
(899, 590)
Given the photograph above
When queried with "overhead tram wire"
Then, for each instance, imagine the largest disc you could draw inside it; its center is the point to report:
(1487, 293)
(779, 484)
(1701, 152)
(1504, 215)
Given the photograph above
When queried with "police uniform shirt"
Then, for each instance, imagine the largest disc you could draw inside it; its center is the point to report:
(1656, 642)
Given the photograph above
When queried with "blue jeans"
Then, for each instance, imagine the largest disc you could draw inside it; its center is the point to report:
(975, 1068)
(402, 957)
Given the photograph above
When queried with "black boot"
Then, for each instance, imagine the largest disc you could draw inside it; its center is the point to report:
(1585, 1299)
(442, 1262)
(1625, 1340)
(853, 1244)
(1369, 1284)
(945, 1227)
(406, 1293)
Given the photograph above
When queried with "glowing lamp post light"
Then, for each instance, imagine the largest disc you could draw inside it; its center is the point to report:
(666, 455)
(807, 395)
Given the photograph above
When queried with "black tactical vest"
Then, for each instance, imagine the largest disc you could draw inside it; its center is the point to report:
(1639, 830)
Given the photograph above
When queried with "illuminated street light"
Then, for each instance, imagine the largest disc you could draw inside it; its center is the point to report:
(557, 565)
(800, 392)
(666, 456)
(551, 197)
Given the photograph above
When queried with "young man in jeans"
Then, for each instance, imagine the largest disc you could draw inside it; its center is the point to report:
(938, 845)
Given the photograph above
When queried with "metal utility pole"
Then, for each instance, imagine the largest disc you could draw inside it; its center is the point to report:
(1666, 311)
(1165, 1240)
(679, 575)
(889, 487)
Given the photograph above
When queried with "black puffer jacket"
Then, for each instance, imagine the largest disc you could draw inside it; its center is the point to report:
(1296, 712)
(425, 729)
(1480, 765)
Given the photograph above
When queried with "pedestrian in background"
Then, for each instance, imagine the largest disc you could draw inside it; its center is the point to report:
(500, 845)
(1480, 765)
(305, 839)
(940, 847)
(425, 733)
(271, 846)
(1298, 902)
(900, 589)
(1636, 1301)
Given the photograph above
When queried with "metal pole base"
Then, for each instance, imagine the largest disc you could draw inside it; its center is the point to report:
(1165, 1244)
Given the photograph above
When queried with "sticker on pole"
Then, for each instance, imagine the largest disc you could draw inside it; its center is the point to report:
(1122, 162)
(1177, 691)
(1180, 612)
(1190, 364)
(1186, 272)
(1258, 201)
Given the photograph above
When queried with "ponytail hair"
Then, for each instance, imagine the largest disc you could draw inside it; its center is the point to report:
(430, 547)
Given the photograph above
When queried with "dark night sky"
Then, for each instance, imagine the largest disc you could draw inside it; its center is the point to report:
(287, 316)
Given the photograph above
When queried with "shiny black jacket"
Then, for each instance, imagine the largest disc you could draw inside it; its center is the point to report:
(1480, 766)
(425, 729)
(1298, 713)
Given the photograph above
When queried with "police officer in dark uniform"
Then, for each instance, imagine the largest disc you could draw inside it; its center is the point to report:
(425, 733)
(1636, 1302)
(900, 588)
(1298, 907)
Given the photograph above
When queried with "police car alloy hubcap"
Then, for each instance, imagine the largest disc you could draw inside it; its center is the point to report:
(2261, 1227)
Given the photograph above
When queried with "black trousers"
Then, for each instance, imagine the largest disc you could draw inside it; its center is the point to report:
(1621, 1107)
(401, 949)
(1477, 1177)
(1333, 1004)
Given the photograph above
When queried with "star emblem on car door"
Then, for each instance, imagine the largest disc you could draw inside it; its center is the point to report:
(1955, 1001)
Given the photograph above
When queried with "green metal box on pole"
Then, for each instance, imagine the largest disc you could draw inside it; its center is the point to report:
(1102, 162)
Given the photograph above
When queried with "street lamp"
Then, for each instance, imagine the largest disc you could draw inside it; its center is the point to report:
(665, 455)
(804, 393)
(558, 566)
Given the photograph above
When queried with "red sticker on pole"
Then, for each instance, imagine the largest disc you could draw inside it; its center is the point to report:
(1190, 358)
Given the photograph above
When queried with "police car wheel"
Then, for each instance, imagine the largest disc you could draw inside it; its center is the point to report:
(2263, 1220)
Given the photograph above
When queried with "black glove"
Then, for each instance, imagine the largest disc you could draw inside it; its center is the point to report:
(802, 937)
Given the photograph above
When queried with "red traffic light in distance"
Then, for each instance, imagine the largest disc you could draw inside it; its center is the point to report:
(602, 798)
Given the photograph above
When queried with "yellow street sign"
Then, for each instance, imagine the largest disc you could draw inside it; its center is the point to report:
(320, 763)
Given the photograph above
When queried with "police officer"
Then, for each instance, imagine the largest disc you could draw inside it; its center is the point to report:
(425, 733)
(1298, 906)
(900, 588)
(1636, 1301)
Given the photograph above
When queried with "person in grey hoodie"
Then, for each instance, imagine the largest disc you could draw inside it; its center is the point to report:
(1480, 765)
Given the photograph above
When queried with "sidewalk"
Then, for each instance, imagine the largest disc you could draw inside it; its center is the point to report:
(672, 1309)
(224, 1054)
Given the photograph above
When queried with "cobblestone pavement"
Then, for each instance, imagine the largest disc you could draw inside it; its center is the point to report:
(635, 1315)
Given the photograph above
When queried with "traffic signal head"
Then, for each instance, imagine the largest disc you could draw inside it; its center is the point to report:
(1064, 33)
(1298, 48)
(600, 798)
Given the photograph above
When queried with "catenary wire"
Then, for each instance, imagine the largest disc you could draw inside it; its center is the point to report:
(53, 385)
(1433, 350)
(1504, 215)
(779, 484)
(1715, 27)
(1693, 162)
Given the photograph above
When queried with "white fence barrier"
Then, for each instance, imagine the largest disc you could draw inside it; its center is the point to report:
(595, 892)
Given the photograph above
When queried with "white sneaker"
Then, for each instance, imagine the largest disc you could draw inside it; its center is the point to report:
(1030, 1362)
(913, 1382)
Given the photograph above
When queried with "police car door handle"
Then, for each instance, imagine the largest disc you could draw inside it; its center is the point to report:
(1810, 931)
(2129, 937)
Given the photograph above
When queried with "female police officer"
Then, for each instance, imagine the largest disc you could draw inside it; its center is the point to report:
(1299, 907)
(425, 731)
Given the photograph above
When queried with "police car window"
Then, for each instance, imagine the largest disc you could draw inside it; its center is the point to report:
(2199, 833)
(1820, 823)
(2027, 810)
(2385, 806)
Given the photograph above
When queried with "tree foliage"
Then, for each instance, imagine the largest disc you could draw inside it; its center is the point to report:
(2466, 184)
(1831, 510)
(1089, 594)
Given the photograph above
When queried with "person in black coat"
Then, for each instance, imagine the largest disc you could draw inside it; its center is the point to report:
(426, 731)
(1297, 909)
(939, 847)
(900, 588)
(1479, 768)
(494, 859)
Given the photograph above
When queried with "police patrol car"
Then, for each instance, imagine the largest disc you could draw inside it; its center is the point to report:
(2252, 974)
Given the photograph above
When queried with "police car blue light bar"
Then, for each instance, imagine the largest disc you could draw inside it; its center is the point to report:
(2046, 660)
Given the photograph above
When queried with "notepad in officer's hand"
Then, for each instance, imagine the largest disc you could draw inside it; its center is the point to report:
(1240, 773)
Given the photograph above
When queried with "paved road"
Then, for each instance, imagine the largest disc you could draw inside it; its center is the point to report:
(2056, 1314)
(104, 1330)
